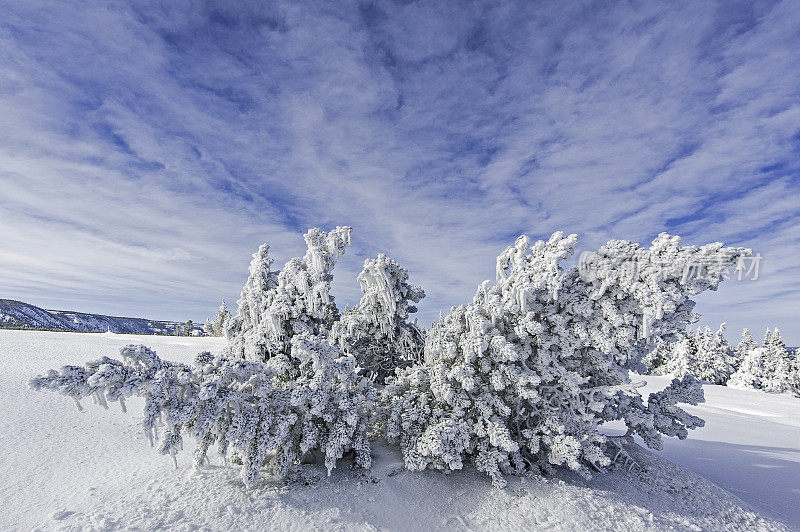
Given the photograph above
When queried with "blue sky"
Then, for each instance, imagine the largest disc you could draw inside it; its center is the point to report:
(146, 150)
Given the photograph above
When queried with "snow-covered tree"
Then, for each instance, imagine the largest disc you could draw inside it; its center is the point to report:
(377, 331)
(704, 354)
(751, 371)
(278, 392)
(715, 361)
(220, 323)
(767, 338)
(771, 367)
(745, 346)
(245, 408)
(275, 307)
(256, 296)
(522, 377)
(682, 358)
(778, 365)
(655, 361)
(519, 379)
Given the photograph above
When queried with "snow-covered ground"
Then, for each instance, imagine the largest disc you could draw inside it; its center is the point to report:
(750, 446)
(64, 469)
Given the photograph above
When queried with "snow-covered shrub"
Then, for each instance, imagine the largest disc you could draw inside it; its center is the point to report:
(270, 414)
(770, 367)
(254, 300)
(519, 379)
(279, 391)
(377, 331)
(274, 306)
(522, 377)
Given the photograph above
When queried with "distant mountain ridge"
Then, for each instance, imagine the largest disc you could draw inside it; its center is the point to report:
(19, 315)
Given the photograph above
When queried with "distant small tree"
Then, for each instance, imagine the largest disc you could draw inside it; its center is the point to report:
(767, 338)
(656, 359)
(770, 367)
(715, 359)
(683, 357)
(704, 354)
(779, 365)
(221, 319)
(188, 328)
(745, 346)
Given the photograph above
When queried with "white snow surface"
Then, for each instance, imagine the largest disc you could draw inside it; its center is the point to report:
(69, 470)
(750, 446)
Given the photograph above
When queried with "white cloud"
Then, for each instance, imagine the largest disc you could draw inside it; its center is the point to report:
(147, 150)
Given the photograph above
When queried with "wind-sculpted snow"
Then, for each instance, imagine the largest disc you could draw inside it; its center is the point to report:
(519, 380)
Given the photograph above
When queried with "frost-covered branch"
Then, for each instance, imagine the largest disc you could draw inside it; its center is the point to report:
(522, 377)
(247, 408)
(519, 379)
(377, 331)
(274, 306)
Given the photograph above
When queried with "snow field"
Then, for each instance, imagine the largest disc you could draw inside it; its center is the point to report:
(71, 470)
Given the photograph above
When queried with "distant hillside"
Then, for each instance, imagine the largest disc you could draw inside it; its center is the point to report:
(19, 315)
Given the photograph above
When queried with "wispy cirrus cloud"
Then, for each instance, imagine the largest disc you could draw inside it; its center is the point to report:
(146, 149)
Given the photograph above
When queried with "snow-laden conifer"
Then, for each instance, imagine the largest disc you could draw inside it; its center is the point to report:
(681, 359)
(269, 413)
(256, 296)
(219, 325)
(276, 306)
(519, 379)
(704, 354)
(744, 347)
(279, 391)
(771, 367)
(715, 361)
(377, 331)
(522, 377)
(778, 365)
(655, 361)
